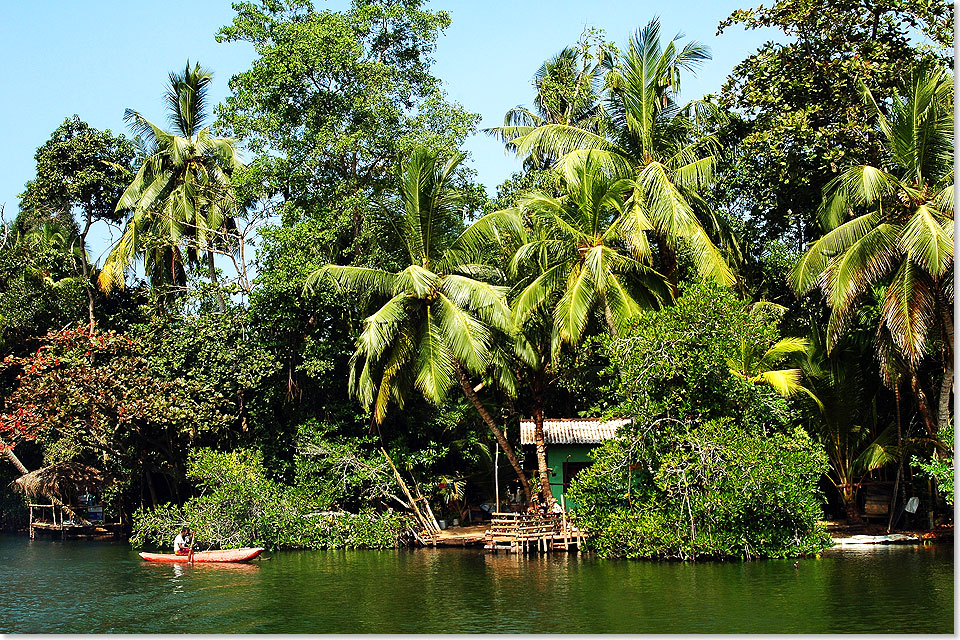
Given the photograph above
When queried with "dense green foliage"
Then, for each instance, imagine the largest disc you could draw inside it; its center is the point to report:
(271, 337)
(712, 464)
(239, 506)
(803, 118)
(331, 102)
(711, 489)
(675, 363)
(78, 167)
(940, 466)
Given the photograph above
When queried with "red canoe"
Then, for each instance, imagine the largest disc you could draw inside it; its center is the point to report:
(225, 555)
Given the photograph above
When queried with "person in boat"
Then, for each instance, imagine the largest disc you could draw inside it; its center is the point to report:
(183, 543)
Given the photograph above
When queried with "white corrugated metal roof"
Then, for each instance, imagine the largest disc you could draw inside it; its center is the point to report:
(573, 430)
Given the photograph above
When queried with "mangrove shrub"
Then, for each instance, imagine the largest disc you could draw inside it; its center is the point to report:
(715, 462)
(239, 506)
(702, 490)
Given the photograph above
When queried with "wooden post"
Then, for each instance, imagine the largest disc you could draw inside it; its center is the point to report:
(31, 522)
(563, 511)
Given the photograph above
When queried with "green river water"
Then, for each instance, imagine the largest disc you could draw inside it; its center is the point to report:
(52, 586)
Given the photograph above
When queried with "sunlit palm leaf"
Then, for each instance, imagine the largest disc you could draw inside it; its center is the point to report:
(908, 309)
(926, 241)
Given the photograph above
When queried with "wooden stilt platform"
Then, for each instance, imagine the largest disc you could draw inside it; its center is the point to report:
(51, 519)
(531, 533)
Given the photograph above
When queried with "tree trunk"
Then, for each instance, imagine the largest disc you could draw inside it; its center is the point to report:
(608, 316)
(539, 440)
(669, 258)
(12, 457)
(212, 270)
(86, 272)
(497, 432)
(849, 495)
(923, 403)
(946, 385)
(151, 489)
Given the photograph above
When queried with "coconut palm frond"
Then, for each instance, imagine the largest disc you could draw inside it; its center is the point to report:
(860, 266)
(538, 292)
(467, 338)
(806, 274)
(926, 241)
(572, 311)
(786, 382)
(879, 453)
(353, 279)
(909, 309)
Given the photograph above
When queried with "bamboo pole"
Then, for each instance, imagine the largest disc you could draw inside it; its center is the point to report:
(421, 520)
(426, 503)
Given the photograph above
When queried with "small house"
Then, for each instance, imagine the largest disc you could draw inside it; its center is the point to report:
(569, 441)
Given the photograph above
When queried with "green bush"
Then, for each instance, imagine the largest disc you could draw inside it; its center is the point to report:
(715, 463)
(940, 465)
(239, 506)
(712, 490)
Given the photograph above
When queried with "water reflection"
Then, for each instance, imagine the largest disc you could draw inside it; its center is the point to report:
(72, 587)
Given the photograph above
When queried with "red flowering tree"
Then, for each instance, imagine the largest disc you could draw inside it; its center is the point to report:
(92, 397)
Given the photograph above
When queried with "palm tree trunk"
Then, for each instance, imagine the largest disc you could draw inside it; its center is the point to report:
(497, 432)
(669, 259)
(12, 457)
(923, 403)
(538, 438)
(608, 316)
(850, 505)
(946, 385)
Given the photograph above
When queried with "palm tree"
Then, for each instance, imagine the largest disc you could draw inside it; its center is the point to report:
(567, 93)
(848, 430)
(591, 253)
(893, 226)
(571, 256)
(653, 141)
(437, 328)
(182, 193)
(760, 368)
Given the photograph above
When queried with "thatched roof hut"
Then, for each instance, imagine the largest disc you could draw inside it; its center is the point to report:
(64, 480)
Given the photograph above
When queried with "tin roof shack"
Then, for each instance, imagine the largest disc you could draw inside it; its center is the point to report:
(569, 442)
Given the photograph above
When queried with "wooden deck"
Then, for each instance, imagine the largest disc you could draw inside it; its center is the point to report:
(53, 519)
(471, 535)
(531, 533)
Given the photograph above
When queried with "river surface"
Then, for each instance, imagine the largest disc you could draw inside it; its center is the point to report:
(52, 586)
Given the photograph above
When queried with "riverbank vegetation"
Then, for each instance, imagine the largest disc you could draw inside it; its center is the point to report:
(315, 319)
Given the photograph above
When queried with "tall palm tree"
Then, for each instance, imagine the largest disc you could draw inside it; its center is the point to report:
(571, 255)
(567, 90)
(592, 253)
(652, 140)
(437, 328)
(893, 226)
(182, 195)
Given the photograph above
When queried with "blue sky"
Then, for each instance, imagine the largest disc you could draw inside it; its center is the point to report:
(96, 58)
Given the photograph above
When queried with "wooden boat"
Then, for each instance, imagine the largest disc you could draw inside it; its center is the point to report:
(224, 555)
